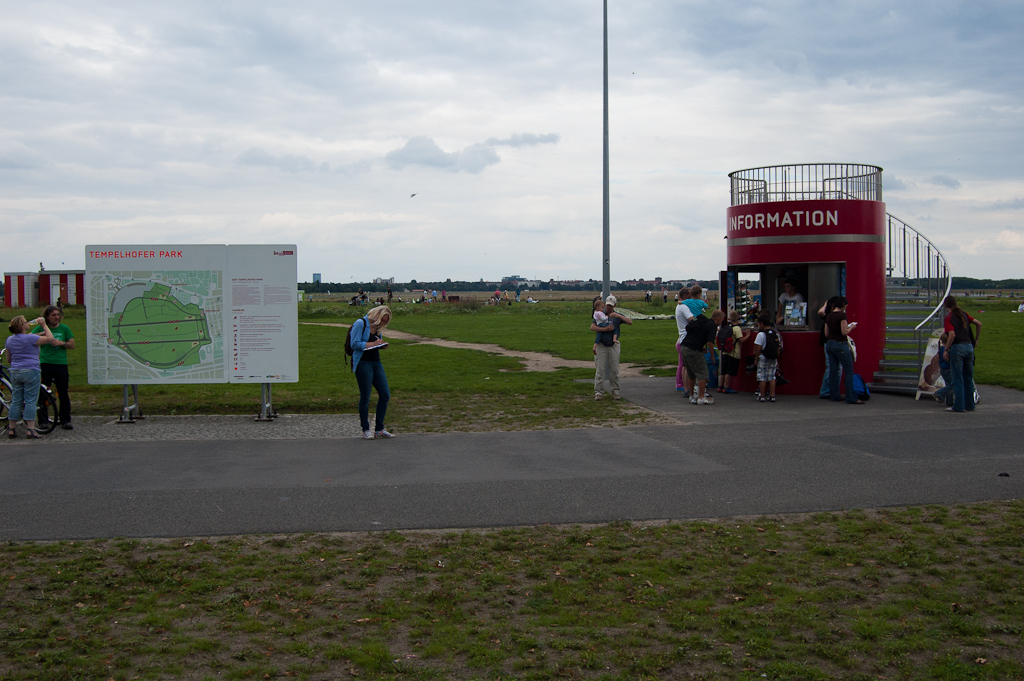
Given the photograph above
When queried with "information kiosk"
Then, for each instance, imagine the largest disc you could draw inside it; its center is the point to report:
(798, 235)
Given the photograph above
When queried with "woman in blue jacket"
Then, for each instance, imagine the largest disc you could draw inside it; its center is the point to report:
(366, 345)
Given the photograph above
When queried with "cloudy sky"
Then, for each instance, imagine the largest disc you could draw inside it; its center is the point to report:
(315, 122)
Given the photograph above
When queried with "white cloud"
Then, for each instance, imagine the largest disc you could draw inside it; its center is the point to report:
(944, 181)
(287, 162)
(216, 123)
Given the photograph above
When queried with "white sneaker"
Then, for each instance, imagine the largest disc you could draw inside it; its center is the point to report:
(382, 434)
(693, 398)
(706, 400)
(367, 435)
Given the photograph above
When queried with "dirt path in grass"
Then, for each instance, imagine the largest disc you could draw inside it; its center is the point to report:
(534, 361)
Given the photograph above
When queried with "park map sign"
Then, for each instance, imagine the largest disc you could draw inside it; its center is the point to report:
(192, 314)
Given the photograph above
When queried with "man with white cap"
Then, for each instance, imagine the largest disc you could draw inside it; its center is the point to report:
(606, 353)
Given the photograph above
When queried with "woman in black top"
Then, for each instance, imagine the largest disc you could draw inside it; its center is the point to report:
(838, 349)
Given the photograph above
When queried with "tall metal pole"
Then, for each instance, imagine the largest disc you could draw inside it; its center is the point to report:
(606, 289)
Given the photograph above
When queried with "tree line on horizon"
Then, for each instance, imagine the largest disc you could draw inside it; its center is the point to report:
(959, 284)
(460, 286)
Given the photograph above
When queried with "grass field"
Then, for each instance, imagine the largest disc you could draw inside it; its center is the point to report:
(919, 593)
(430, 384)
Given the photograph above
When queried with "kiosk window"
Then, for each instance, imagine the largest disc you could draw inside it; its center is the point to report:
(791, 292)
(743, 294)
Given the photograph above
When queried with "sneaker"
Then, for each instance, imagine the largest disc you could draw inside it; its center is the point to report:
(681, 390)
(383, 434)
(761, 399)
(729, 391)
(598, 396)
(67, 426)
(367, 435)
(616, 396)
(706, 400)
(772, 398)
(693, 399)
(721, 390)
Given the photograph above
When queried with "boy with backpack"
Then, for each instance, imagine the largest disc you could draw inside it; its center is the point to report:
(766, 349)
(730, 341)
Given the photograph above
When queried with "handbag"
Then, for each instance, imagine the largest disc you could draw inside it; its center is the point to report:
(853, 348)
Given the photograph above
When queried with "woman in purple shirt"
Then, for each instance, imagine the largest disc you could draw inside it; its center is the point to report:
(23, 354)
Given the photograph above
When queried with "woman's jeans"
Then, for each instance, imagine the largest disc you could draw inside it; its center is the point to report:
(961, 365)
(824, 378)
(840, 359)
(25, 387)
(371, 374)
(945, 393)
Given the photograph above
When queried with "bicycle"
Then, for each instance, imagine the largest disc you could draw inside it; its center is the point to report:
(46, 407)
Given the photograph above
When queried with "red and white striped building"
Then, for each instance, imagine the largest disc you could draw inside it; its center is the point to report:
(39, 289)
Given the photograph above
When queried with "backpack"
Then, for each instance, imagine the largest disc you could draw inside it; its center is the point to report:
(697, 328)
(771, 344)
(724, 341)
(348, 345)
(860, 388)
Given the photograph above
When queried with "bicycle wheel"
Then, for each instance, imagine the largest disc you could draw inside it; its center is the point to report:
(46, 412)
(5, 397)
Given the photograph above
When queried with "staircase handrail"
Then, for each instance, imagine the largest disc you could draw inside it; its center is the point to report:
(922, 247)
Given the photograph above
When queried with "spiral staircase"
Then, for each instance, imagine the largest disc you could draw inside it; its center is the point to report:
(918, 280)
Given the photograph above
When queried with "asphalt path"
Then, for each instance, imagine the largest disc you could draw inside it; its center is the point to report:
(735, 458)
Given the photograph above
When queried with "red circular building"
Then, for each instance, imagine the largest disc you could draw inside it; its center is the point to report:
(821, 229)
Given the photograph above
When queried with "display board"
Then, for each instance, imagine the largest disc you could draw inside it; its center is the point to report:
(191, 314)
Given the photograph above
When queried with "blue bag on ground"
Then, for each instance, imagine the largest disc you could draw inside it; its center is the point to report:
(860, 388)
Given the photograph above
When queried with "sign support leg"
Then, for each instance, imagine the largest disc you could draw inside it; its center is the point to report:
(131, 411)
(267, 411)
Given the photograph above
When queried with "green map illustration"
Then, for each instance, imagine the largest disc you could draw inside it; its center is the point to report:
(158, 330)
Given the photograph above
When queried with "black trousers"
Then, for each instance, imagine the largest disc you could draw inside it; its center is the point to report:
(58, 375)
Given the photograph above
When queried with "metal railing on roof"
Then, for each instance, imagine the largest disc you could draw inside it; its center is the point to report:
(806, 182)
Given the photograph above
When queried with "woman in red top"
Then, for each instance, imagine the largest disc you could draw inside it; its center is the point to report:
(960, 344)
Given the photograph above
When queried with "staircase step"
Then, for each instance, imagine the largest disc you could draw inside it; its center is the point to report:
(892, 389)
(897, 375)
(901, 352)
(888, 381)
(900, 364)
(909, 307)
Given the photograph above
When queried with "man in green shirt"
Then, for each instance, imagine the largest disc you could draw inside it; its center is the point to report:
(53, 361)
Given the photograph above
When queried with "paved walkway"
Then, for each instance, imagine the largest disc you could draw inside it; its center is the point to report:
(190, 476)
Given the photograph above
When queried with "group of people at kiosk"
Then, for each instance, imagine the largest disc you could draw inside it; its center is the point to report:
(700, 336)
(715, 343)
